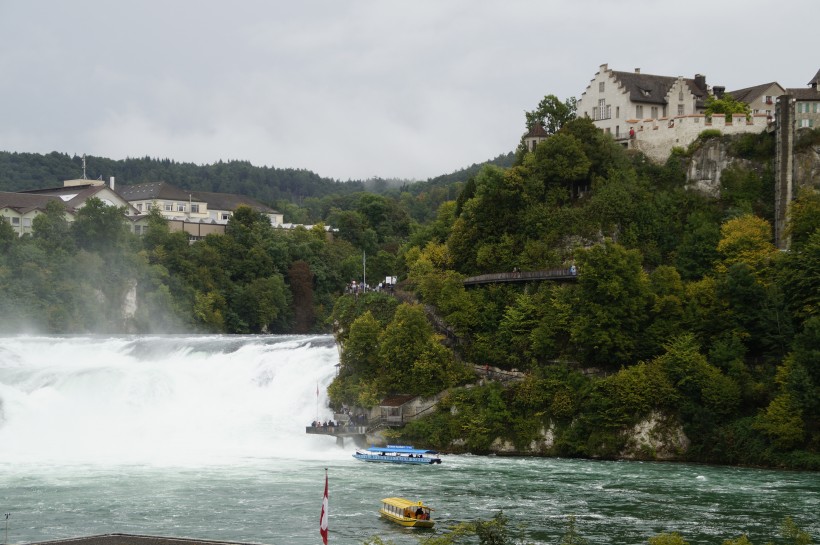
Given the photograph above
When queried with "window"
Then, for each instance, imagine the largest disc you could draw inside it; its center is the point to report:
(680, 109)
(226, 216)
(768, 100)
(139, 206)
(601, 87)
(137, 229)
(617, 131)
(15, 221)
(813, 107)
(617, 112)
(26, 222)
(639, 112)
(169, 207)
(195, 208)
(148, 206)
(805, 123)
(680, 95)
(654, 112)
(180, 207)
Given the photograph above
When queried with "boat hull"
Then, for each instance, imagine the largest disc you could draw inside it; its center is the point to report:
(406, 522)
(396, 459)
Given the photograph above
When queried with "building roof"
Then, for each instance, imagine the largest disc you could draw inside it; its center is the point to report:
(23, 203)
(748, 94)
(74, 196)
(166, 191)
(815, 81)
(812, 92)
(537, 131)
(652, 89)
(230, 201)
(154, 190)
(804, 93)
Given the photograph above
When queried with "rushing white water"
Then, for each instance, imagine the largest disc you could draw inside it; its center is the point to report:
(161, 400)
(204, 437)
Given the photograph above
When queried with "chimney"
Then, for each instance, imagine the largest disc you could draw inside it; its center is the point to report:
(700, 81)
(111, 183)
(604, 67)
(637, 70)
(719, 90)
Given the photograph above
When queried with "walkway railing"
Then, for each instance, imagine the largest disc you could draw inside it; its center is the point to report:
(566, 275)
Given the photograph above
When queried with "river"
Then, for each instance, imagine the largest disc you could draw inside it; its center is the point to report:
(203, 437)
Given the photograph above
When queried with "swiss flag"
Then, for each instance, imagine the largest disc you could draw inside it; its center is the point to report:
(323, 518)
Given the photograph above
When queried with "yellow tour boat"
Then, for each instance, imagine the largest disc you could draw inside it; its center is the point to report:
(413, 514)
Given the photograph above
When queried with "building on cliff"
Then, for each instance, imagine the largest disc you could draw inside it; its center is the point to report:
(613, 98)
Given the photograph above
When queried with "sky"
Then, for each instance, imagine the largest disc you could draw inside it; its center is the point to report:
(355, 89)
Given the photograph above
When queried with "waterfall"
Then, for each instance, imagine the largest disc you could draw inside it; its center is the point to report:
(187, 400)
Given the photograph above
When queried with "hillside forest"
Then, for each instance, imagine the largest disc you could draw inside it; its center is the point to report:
(683, 314)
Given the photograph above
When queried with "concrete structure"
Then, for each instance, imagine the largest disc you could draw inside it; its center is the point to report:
(613, 98)
(192, 207)
(784, 169)
(807, 104)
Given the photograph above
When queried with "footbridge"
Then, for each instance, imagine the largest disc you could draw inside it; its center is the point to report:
(560, 275)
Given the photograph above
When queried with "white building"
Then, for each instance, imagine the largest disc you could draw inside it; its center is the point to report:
(616, 100)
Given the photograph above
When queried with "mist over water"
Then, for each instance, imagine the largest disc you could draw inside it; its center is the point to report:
(160, 400)
(204, 437)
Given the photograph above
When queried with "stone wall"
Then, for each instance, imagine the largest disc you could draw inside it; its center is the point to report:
(656, 137)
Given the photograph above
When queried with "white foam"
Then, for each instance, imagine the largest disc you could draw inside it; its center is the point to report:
(163, 400)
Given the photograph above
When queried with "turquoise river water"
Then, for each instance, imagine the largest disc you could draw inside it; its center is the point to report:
(203, 437)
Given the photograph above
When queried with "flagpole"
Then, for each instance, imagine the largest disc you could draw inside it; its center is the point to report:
(317, 402)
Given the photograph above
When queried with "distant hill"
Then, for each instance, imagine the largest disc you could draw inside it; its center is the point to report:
(21, 171)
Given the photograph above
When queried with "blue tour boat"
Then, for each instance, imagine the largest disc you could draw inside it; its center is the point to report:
(398, 454)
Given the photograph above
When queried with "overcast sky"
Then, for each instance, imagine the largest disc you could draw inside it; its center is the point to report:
(353, 89)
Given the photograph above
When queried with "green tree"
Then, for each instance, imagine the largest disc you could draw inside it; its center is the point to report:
(804, 217)
(403, 342)
(51, 229)
(613, 295)
(552, 114)
(300, 279)
(727, 104)
(99, 227)
(360, 354)
(7, 234)
(558, 161)
(746, 239)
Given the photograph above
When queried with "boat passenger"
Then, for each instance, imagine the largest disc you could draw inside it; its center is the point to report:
(420, 513)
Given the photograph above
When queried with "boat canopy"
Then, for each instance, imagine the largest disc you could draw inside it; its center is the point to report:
(404, 503)
(401, 449)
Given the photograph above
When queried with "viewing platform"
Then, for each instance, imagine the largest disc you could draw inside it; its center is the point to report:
(340, 432)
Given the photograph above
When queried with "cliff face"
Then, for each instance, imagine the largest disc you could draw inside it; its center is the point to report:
(807, 168)
(705, 167)
(657, 437)
(707, 164)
